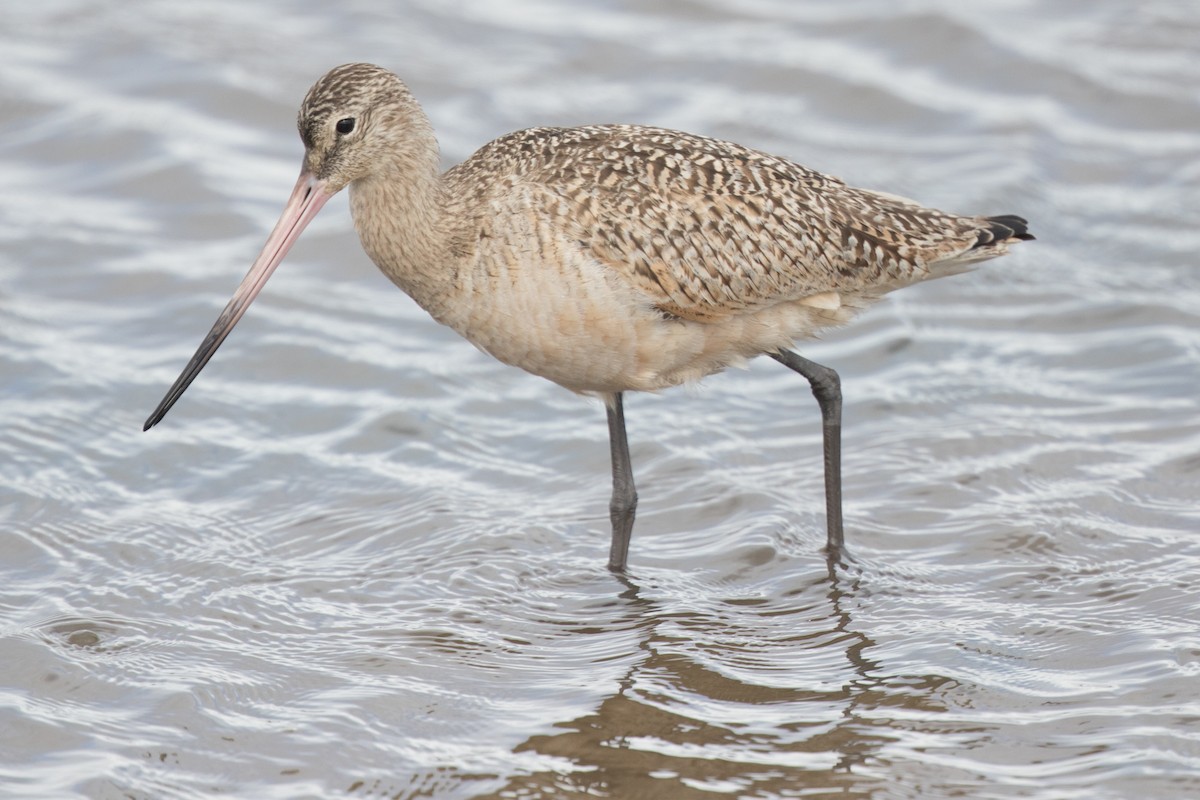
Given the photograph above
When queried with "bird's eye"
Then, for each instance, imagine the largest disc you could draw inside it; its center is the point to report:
(346, 125)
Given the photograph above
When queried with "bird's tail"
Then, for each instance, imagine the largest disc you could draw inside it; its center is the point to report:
(992, 238)
(1003, 229)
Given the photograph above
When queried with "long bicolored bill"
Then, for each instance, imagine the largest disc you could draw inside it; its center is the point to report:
(307, 199)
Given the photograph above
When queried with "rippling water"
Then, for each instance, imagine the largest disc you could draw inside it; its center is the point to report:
(360, 559)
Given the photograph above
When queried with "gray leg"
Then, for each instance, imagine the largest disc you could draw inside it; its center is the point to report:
(624, 497)
(827, 388)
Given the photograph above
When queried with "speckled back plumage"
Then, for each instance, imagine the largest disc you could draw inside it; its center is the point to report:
(708, 228)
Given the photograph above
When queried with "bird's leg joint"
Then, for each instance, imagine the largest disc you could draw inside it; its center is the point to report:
(624, 502)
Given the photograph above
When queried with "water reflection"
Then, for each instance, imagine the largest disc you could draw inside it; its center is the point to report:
(681, 726)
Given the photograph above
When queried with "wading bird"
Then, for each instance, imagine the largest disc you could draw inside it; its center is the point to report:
(610, 258)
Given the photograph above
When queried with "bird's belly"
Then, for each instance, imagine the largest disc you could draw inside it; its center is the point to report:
(596, 334)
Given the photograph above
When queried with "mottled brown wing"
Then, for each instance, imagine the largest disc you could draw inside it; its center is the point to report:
(707, 228)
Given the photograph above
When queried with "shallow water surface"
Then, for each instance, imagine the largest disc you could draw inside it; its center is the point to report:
(361, 559)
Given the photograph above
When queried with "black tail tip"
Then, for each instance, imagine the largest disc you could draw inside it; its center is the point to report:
(1009, 226)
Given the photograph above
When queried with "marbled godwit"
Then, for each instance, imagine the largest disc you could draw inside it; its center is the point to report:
(609, 258)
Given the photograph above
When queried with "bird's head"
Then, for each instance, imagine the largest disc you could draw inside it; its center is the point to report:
(358, 120)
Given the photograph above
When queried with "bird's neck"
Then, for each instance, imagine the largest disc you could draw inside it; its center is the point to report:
(400, 215)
